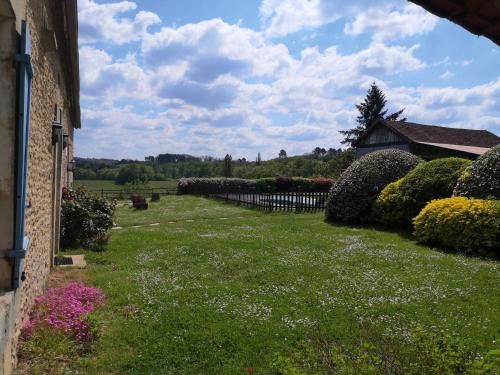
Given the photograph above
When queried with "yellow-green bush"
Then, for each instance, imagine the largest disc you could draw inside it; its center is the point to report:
(467, 224)
(389, 208)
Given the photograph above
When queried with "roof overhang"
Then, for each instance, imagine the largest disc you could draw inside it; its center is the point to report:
(71, 26)
(468, 149)
(480, 17)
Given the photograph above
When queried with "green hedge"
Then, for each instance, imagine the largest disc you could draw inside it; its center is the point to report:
(353, 195)
(237, 185)
(466, 224)
(214, 185)
(427, 181)
(482, 178)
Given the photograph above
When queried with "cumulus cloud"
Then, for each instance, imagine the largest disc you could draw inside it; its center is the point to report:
(213, 88)
(383, 25)
(107, 23)
(385, 18)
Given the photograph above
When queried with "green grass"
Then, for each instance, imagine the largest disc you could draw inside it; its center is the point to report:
(104, 184)
(238, 288)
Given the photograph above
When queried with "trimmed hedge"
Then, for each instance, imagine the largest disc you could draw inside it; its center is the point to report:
(214, 185)
(237, 185)
(427, 181)
(482, 178)
(353, 195)
(467, 224)
(389, 208)
(285, 184)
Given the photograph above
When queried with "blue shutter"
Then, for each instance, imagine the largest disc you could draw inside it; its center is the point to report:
(25, 75)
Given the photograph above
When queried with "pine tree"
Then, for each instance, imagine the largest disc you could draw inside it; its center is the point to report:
(228, 166)
(282, 154)
(370, 109)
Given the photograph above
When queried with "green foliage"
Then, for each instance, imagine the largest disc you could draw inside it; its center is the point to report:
(466, 224)
(134, 172)
(399, 203)
(214, 185)
(354, 193)
(422, 353)
(85, 219)
(389, 209)
(135, 188)
(482, 178)
(84, 174)
(228, 166)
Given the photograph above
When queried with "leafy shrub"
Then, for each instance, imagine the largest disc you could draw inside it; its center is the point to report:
(135, 188)
(354, 193)
(155, 197)
(389, 208)
(85, 218)
(134, 172)
(482, 178)
(66, 309)
(214, 185)
(461, 223)
(427, 181)
(285, 184)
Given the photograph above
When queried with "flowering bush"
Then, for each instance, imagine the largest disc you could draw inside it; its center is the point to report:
(139, 202)
(85, 219)
(66, 309)
(481, 179)
(461, 223)
(354, 193)
(389, 208)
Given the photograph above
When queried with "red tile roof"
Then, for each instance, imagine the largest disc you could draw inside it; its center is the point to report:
(419, 133)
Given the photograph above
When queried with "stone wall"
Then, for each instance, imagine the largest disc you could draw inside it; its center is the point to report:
(47, 165)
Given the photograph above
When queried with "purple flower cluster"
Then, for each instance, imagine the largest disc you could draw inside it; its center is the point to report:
(66, 308)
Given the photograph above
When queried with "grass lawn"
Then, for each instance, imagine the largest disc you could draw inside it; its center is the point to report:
(105, 184)
(218, 289)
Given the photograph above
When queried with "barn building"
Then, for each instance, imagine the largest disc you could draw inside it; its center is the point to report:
(427, 141)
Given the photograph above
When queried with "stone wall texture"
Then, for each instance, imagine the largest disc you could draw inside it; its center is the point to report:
(47, 166)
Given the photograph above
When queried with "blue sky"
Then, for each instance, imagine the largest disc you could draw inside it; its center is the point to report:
(242, 77)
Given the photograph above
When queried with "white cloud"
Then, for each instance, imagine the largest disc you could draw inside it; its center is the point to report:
(446, 75)
(104, 22)
(412, 20)
(216, 88)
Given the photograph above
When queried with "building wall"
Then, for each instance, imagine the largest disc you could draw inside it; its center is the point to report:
(45, 175)
(362, 151)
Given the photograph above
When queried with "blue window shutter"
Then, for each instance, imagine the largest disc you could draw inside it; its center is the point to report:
(25, 75)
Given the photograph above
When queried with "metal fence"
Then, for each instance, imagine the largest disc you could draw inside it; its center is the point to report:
(290, 201)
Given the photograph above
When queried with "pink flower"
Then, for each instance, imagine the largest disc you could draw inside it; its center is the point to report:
(66, 308)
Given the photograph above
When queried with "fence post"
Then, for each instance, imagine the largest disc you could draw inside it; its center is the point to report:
(102, 193)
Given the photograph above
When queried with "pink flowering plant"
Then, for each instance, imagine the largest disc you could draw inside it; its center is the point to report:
(67, 309)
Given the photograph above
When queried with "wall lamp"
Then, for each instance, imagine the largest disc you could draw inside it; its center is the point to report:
(71, 165)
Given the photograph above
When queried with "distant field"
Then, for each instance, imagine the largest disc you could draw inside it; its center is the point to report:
(104, 184)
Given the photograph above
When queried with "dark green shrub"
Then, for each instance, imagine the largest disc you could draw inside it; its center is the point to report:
(155, 197)
(482, 178)
(134, 172)
(461, 223)
(354, 193)
(214, 185)
(85, 219)
(267, 184)
(398, 204)
(285, 184)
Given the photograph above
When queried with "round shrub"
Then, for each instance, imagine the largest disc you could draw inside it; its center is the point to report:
(389, 207)
(427, 181)
(353, 194)
(482, 178)
(467, 224)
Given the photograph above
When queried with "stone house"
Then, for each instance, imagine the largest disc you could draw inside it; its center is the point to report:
(427, 141)
(39, 110)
